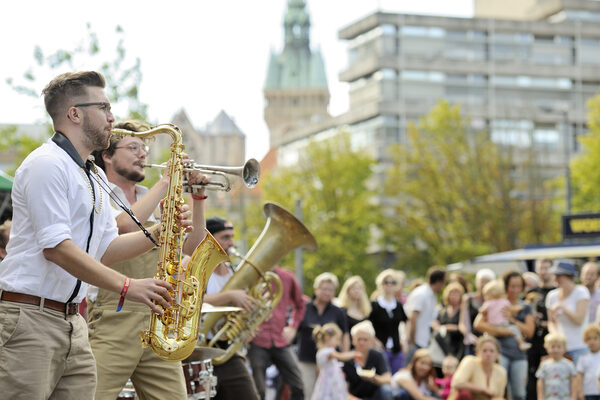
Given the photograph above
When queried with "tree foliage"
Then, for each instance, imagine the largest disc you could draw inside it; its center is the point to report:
(331, 181)
(585, 169)
(457, 195)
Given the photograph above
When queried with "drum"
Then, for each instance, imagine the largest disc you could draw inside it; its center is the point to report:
(198, 371)
(128, 392)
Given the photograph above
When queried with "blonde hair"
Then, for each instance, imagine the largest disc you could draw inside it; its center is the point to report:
(555, 337)
(322, 333)
(363, 326)
(450, 287)
(494, 290)
(592, 329)
(363, 301)
(392, 273)
(326, 277)
(485, 338)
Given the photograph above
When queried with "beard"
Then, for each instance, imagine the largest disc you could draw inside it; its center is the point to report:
(130, 174)
(94, 136)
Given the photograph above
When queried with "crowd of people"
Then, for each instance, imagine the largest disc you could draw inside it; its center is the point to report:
(522, 335)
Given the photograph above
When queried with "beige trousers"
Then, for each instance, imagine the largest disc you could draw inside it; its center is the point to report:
(115, 341)
(44, 355)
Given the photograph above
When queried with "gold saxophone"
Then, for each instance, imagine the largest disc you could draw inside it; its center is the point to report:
(282, 233)
(173, 335)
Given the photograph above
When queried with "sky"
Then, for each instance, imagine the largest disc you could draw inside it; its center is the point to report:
(201, 56)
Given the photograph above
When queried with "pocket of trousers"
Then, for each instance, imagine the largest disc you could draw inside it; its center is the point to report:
(9, 322)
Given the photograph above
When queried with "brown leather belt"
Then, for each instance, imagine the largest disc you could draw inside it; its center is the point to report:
(67, 308)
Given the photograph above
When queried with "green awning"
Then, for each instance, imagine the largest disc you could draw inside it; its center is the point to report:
(6, 181)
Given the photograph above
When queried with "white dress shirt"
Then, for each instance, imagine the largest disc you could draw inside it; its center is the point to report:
(52, 202)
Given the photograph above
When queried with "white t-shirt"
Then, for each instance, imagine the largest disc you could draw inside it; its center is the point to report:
(405, 374)
(216, 282)
(52, 202)
(422, 299)
(588, 364)
(573, 333)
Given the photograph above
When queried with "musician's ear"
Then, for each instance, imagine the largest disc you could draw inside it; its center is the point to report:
(73, 115)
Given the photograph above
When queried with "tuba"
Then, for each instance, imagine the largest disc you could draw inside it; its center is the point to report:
(282, 233)
(173, 335)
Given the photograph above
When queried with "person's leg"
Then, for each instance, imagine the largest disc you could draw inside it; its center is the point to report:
(156, 379)
(402, 395)
(260, 359)
(384, 392)
(505, 362)
(115, 341)
(79, 375)
(234, 381)
(286, 362)
(518, 379)
(309, 377)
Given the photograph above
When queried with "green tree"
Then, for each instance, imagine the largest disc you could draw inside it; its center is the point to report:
(456, 195)
(585, 169)
(331, 180)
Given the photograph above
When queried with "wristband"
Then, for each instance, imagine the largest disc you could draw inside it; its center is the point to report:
(196, 197)
(123, 293)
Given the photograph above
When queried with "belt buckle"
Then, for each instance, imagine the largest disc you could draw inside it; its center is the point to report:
(72, 309)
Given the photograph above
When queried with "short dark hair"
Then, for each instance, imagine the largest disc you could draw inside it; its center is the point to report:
(436, 274)
(508, 275)
(59, 92)
(133, 125)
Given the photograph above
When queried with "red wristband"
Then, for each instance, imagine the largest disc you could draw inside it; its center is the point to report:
(123, 293)
(196, 197)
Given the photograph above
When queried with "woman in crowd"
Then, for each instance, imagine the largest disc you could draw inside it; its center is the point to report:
(513, 359)
(446, 327)
(415, 382)
(470, 308)
(567, 308)
(319, 311)
(354, 301)
(480, 377)
(386, 315)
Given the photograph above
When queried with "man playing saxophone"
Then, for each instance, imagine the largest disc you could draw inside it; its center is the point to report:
(63, 233)
(233, 378)
(115, 336)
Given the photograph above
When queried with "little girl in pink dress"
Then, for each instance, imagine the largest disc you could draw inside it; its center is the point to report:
(330, 384)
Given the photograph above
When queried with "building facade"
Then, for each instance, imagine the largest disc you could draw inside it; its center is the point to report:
(524, 82)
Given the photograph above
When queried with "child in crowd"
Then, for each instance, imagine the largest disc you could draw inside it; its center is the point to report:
(588, 364)
(495, 301)
(448, 367)
(557, 377)
(330, 384)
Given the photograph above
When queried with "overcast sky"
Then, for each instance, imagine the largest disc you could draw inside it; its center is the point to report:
(203, 56)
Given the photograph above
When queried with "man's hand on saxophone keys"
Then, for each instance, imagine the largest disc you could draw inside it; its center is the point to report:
(150, 290)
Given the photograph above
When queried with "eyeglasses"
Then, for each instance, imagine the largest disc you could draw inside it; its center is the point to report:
(389, 282)
(135, 148)
(103, 105)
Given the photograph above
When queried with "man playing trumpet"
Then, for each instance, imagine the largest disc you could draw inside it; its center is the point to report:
(115, 336)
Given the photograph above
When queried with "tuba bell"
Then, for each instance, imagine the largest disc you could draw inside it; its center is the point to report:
(282, 233)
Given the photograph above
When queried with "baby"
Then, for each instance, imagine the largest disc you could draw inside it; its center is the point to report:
(495, 301)
(448, 367)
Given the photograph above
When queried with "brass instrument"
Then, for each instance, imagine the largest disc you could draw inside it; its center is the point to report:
(173, 335)
(249, 172)
(282, 233)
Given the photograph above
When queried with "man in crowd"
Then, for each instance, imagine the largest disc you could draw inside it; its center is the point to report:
(233, 378)
(537, 351)
(63, 233)
(589, 277)
(4, 235)
(421, 309)
(115, 336)
(272, 343)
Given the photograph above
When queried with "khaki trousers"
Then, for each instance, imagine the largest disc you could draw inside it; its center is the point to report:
(44, 355)
(115, 341)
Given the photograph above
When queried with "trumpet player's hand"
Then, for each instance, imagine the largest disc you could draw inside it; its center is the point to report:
(148, 290)
(184, 219)
(240, 298)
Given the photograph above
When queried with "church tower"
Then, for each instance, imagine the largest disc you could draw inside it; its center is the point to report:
(296, 91)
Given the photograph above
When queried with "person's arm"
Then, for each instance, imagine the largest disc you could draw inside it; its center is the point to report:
(540, 389)
(527, 327)
(238, 298)
(412, 327)
(580, 314)
(579, 385)
(411, 387)
(482, 325)
(299, 308)
(82, 266)
(343, 356)
(346, 342)
(144, 207)
(574, 389)
(379, 380)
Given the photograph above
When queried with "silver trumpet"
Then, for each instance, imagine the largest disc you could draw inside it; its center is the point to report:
(249, 172)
